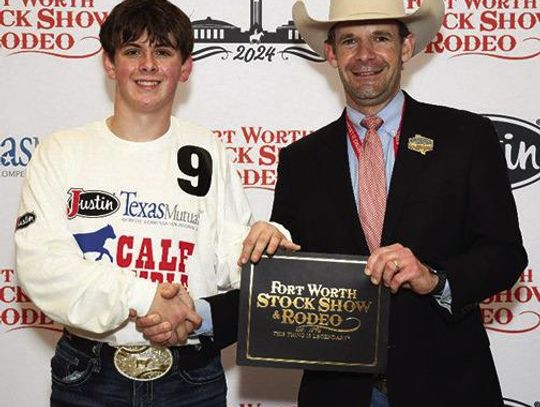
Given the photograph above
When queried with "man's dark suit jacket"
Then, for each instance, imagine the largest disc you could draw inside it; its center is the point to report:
(454, 209)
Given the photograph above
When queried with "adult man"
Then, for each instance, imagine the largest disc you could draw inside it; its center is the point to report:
(443, 237)
(147, 196)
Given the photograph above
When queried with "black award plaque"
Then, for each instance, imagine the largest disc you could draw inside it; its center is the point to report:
(312, 311)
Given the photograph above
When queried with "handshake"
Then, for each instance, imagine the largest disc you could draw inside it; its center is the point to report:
(172, 316)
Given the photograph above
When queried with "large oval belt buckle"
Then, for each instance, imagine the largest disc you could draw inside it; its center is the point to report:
(143, 363)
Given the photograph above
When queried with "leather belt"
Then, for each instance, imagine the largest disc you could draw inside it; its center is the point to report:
(144, 363)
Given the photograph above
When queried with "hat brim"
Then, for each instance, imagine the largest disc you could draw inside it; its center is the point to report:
(424, 23)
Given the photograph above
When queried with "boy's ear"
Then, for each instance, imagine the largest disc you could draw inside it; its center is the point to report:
(108, 65)
(186, 69)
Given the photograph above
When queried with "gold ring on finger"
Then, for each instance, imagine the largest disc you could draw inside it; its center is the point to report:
(396, 265)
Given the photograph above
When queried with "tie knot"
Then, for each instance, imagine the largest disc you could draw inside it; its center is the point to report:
(371, 122)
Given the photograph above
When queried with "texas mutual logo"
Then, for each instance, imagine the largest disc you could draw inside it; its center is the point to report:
(214, 37)
(15, 153)
(521, 145)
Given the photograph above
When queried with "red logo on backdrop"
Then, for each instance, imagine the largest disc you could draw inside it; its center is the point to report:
(17, 310)
(60, 28)
(516, 310)
(491, 28)
(255, 151)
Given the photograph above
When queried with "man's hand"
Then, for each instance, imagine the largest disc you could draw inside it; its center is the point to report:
(397, 266)
(171, 317)
(264, 237)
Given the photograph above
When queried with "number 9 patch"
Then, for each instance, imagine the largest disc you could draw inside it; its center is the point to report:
(196, 163)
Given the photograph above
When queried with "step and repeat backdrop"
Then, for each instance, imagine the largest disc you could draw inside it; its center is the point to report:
(259, 88)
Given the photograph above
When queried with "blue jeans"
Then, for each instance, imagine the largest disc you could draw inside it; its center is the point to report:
(378, 399)
(83, 378)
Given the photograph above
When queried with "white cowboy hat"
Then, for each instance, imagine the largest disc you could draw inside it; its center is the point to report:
(424, 23)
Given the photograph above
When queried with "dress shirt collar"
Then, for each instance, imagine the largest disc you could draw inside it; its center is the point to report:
(390, 114)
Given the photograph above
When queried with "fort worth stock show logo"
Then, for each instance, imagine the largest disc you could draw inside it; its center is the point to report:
(58, 28)
(506, 29)
(17, 310)
(492, 28)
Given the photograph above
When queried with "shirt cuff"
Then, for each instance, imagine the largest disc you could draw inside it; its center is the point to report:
(282, 229)
(445, 298)
(141, 295)
(202, 307)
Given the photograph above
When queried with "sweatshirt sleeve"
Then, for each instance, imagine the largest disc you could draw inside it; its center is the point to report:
(234, 219)
(71, 290)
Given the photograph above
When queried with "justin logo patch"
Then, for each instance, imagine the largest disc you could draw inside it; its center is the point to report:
(25, 220)
(91, 204)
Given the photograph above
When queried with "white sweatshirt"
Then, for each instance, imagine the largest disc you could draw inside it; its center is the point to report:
(98, 211)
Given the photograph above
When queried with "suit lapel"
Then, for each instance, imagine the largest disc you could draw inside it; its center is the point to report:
(407, 168)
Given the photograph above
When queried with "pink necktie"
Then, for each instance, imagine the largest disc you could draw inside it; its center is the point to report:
(372, 183)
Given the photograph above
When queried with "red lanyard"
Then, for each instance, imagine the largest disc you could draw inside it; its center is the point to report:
(356, 142)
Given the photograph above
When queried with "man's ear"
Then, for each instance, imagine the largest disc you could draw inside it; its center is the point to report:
(330, 55)
(186, 69)
(108, 65)
(407, 47)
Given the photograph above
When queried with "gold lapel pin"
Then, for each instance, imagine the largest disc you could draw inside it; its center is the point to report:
(420, 144)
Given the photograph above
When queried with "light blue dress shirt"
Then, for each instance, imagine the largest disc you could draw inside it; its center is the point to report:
(391, 116)
(202, 307)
